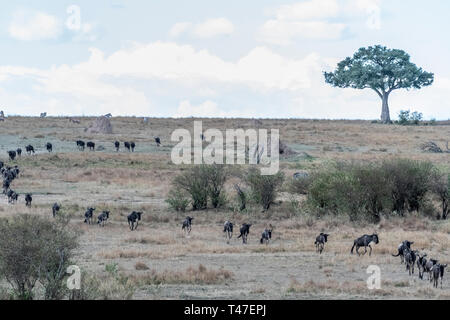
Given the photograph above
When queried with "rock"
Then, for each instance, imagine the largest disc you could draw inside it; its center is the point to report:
(101, 125)
(430, 147)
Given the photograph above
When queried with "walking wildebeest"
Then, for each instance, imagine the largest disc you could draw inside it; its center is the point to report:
(117, 145)
(438, 272)
(228, 230)
(401, 248)
(320, 242)
(28, 200)
(245, 230)
(421, 263)
(132, 145)
(30, 149)
(12, 155)
(266, 235)
(428, 268)
(88, 215)
(410, 260)
(158, 141)
(187, 225)
(12, 197)
(80, 145)
(55, 209)
(127, 146)
(91, 145)
(365, 241)
(49, 147)
(19, 152)
(133, 220)
(103, 218)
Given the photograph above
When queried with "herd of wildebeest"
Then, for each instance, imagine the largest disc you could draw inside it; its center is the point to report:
(409, 257)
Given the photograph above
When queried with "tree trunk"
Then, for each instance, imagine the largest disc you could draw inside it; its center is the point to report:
(385, 116)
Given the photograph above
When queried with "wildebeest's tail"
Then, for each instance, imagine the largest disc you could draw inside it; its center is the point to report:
(240, 235)
(396, 255)
(262, 240)
(354, 245)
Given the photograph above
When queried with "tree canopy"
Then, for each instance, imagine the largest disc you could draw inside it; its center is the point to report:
(380, 69)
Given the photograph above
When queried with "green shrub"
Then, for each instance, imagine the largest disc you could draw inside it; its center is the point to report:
(177, 200)
(264, 189)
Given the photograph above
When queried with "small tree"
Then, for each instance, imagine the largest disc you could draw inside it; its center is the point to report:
(264, 188)
(381, 69)
(217, 176)
(441, 187)
(34, 249)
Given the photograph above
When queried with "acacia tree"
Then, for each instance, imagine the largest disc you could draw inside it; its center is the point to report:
(382, 70)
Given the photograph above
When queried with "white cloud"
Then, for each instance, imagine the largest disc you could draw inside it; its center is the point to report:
(213, 27)
(285, 32)
(179, 28)
(308, 10)
(29, 26)
(209, 109)
(207, 29)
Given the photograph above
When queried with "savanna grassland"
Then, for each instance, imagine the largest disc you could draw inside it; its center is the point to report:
(159, 262)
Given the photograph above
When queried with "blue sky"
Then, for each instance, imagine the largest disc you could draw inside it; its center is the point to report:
(212, 58)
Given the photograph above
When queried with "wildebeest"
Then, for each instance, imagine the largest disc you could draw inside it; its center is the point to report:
(91, 145)
(133, 220)
(132, 145)
(12, 155)
(55, 209)
(158, 141)
(12, 197)
(365, 241)
(19, 152)
(117, 145)
(321, 239)
(6, 184)
(410, 260)
(245, 230)
(187, 225)
(81, 145)
(438, 272)
(405, 245)
(28, 200)
(429, 267)
(266, 235)
(49, 147)
(1, 164)
(103, 218)
(30, 149)
(228, 230)
(88, 215)
(421, 263)
(127, 146)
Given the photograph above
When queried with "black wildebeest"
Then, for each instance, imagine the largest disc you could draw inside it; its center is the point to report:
(410, 260)
(133, 220)
(320, 242)
(365, 241)
(19, 152)
(88, 215)
(421, 263)
(158, 141)
(12, 196)
(117, 145)
(30, 149)
(266, 235)
(405, 245)
(49, 147)
(438, 272)
(12, 155)
(132, 145)
(81, 145)
(28, 200)
(91, 145)
(55, 209)
(228, 230)
(245, 230)
(103, 218)
(187, 225)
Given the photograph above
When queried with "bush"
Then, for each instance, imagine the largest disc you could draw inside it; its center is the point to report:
(264, 189)
(368, 190)
(440, 184)
(177, 200)
(405, 117)
(201, 183)
(32, 250)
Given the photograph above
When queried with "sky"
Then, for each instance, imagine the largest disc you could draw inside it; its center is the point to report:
(210, 58)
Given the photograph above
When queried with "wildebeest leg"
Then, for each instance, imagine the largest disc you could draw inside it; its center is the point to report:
(370, 253)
